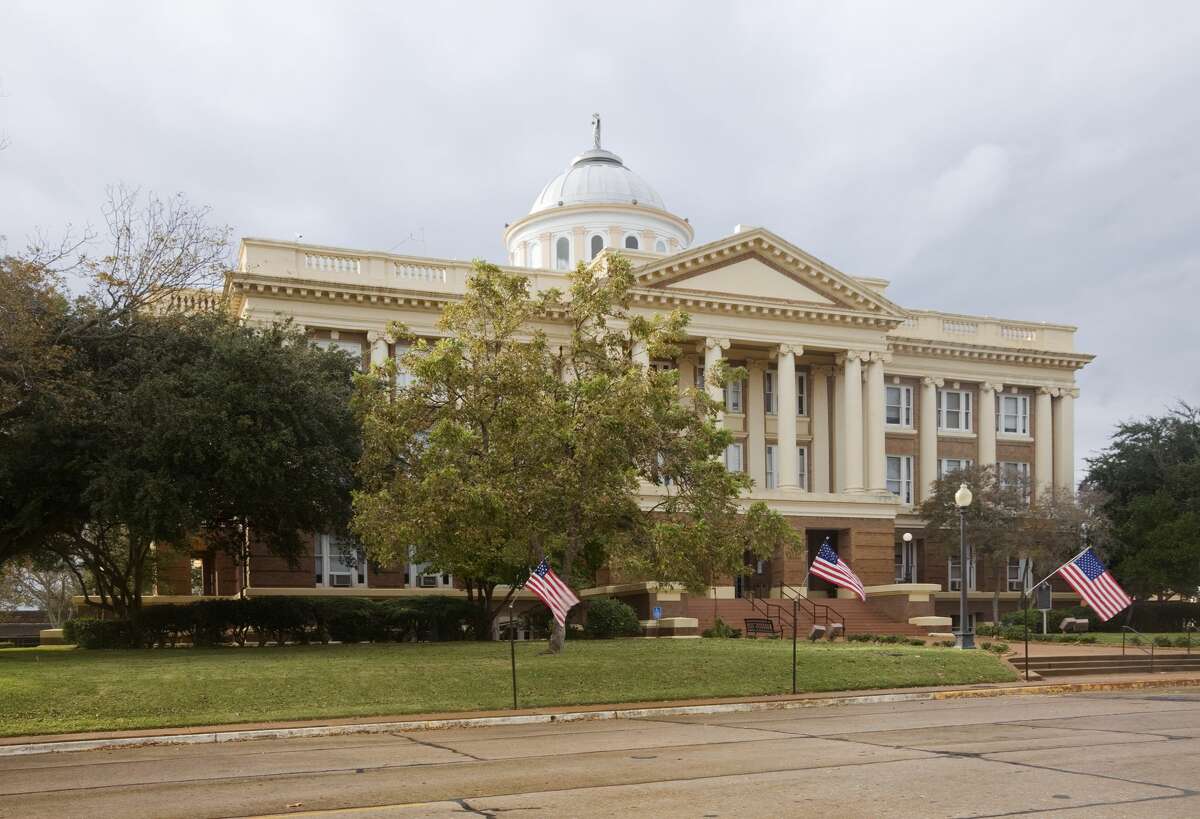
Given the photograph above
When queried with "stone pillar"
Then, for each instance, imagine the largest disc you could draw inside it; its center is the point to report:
(641, 354)
(875, 441)
(927, 427)
(379, 348)
(1043, 442)
(687, 373)
(614, 236)
(578, 239)
(839, 426)
(712, 355)
(785, 414)
(1064, 438)
(818, 481)
(756, 424)
(852, 413)
(547, 246)
(986, 423)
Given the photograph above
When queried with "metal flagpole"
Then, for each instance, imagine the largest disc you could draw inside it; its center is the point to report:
(1047, 577)
(512, 648)
(795, 616)
(1025, 614)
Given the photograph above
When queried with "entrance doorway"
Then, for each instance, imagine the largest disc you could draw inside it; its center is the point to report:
(813, 538)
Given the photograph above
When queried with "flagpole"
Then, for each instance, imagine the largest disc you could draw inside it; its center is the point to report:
(512, 648)
(1064, 563)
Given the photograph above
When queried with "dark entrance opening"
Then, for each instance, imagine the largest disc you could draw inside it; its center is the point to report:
(813, 538)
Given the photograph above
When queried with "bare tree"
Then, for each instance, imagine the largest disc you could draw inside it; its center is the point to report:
(45, 588)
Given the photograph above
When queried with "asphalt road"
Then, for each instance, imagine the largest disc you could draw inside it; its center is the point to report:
(1095, 755)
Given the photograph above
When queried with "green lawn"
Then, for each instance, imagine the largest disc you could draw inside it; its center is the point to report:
(1109, 639)
(49, 690)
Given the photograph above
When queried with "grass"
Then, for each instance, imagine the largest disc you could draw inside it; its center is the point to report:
(56, 690)
(1105, 638)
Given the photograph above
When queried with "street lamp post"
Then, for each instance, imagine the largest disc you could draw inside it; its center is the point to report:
(966, 635)
(904, 561)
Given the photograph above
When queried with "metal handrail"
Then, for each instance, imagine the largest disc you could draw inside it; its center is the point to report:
(1131, 630)
(793, 593)
(764, 607)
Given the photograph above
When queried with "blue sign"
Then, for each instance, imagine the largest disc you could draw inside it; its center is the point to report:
(658, 612)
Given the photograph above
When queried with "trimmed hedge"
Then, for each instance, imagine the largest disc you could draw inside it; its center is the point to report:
(1146, 616)
(607, 618)
(281, 620)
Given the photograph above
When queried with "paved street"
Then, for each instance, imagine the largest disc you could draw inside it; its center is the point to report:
(1113, 754)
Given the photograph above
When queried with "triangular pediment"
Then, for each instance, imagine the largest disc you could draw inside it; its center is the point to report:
(759, 266)
(752, 277)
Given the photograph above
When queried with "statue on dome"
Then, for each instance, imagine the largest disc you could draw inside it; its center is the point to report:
(596, 130)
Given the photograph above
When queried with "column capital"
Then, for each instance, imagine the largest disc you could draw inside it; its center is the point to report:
(712, 342)
(795, 349)
(1053, 392)
(991, 386)
(377, 335)
(931, 381)
(1072, 392)
(850, 355)
(881, 357)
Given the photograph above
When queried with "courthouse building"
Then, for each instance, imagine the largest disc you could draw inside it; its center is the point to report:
(852, 407)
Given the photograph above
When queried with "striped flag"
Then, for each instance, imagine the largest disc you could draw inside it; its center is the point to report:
(1095, 584)
(831, 567)
(556, 594)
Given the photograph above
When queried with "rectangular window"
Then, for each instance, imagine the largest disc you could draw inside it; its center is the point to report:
(802, 467)
(772, 468)
(954, 410)
(769, 392)
(899, 477)
(802, 393)
(955, 574)
(733, 457)
(1018, 571)
(949, 465)
(733, 396)
(1013, 417)
(898, 406)
(954, 622)
(1015, 475)
(339, 562)
(906, 562)
(351, 348)
(403, 377)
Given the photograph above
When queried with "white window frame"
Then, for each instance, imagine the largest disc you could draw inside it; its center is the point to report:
(660, 246)
(637, 242)
(953, 575)
(770, 396)
(1021, 470)
(740, 449)
(964, 411)
(1014, 583)
(735, 397)
(904, 482)
(533, 254)
(1020, 416)
(324, 557)
(591, 243)
(771, 460)
(559, 262)
(906, 564)
(802, 467)
(802, 393)
(403, 377)
(943, 468)
(904, 409)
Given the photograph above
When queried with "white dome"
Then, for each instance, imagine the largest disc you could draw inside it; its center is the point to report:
(597, 177)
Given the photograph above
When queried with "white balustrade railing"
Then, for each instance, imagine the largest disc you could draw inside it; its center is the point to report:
(327, 262)
(420, 272)
(1013, 332)
(960, 327)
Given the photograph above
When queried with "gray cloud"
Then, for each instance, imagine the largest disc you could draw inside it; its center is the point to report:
(1028, 160)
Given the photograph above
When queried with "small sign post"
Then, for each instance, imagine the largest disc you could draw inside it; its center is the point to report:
(657, 613)
(1043, 597)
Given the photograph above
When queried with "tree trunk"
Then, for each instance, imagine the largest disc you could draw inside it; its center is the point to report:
(558, 636)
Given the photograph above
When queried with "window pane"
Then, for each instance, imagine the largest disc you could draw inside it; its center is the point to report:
(562, 253)
(631, 242)
(769, 393)
(597, 245)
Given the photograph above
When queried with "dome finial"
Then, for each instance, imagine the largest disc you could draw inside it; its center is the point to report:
(596, 130)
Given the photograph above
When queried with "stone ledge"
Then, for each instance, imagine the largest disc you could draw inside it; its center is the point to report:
(930, 620)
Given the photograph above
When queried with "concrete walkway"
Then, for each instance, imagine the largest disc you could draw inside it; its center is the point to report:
(1131, 753)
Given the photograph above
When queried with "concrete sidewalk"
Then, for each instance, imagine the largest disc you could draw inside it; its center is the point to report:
(53, 743)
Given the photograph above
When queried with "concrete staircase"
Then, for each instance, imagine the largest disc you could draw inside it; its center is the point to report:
(858, 617)
(1073, 665)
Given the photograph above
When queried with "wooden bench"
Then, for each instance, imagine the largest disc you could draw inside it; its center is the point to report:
(756, 626)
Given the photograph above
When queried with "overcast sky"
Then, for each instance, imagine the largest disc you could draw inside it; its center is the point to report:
(1025, 160)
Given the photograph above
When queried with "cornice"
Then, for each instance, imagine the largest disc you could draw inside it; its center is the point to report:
(983, 352)
(340, 292)
(603, 207)
(761, 307)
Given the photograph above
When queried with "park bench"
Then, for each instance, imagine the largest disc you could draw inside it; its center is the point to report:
(1077, 625)
(756, 626)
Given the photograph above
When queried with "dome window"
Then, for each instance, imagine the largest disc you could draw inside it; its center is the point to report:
(562, 253)
(597, 245)
(660, 246)
(631, 242)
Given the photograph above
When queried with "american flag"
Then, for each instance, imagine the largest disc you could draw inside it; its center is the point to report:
(553, 592)
(1095, 585)
(829, 566)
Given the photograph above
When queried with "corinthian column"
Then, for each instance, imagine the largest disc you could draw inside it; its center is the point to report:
(819, 413)
(1043, 443)
(1064, 439)
(852, 412)
(785, 414)
(875, 441)
(712, 356)
(927, 435)
(986, 413)
(756, 424)
(379, 348)
(641, 354)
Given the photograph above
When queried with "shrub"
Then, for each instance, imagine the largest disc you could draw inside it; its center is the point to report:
(87, 632)
(946, 643)
(916, 641)
(1182, 642)
(607, 618)
(987, 630)
(860, 638)
(1162, 641)
(723, 630)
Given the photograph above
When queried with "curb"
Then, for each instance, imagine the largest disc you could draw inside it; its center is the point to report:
(581, 716)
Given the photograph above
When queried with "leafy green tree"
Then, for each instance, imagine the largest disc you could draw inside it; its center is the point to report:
(528, 432)
(1148, 481)
(195, 426)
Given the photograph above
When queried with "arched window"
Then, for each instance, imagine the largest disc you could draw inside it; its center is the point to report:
(562, 253)
(597, 245)
(534, 254)
(631, 242)
(660, 246)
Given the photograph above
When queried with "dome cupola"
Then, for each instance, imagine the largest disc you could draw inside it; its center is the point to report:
(596, 203)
